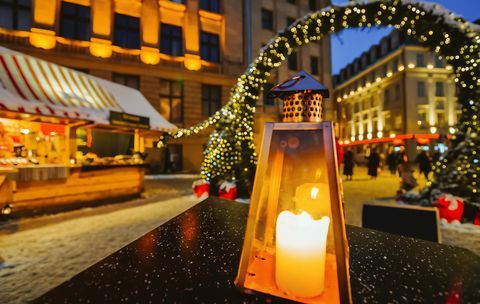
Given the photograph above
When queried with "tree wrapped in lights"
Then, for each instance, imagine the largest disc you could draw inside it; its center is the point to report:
(230, 153)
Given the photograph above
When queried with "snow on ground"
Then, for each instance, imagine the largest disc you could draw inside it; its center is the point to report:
(40, 253)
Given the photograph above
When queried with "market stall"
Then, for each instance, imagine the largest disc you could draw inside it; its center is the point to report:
(67, 137)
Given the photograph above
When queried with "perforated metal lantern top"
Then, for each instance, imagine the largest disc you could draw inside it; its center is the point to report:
(302, 98)
(302, 107)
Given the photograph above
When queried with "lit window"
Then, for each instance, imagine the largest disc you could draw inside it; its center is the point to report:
(211, 99)
(171, 40)
(16, 14)
(75, 21)
(127, 31)
(209, 47)
(171, 100)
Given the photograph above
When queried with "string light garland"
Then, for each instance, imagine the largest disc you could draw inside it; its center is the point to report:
(230, 152)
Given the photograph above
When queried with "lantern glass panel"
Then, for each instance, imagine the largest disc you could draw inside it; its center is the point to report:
(295, 240)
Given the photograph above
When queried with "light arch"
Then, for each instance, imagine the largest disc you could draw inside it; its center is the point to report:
(230, 152)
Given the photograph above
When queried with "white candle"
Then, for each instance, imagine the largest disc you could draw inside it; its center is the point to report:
(301, 244)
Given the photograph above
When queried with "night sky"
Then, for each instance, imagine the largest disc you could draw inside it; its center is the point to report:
(351, 43)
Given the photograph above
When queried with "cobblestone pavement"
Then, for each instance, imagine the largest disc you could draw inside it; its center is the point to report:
(364, 189)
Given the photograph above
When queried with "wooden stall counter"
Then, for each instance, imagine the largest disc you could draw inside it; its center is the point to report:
(39, 189)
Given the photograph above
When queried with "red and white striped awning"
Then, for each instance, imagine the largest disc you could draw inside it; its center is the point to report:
(31, 85)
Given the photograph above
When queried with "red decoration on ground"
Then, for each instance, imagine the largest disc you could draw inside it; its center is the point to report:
(228, 190)
(450, 207)
(201, 188)
(476, 221)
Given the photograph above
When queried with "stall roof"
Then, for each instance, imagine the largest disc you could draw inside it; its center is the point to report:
(31, 85)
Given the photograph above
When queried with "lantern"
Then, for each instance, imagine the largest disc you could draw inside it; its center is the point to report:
(295, 245)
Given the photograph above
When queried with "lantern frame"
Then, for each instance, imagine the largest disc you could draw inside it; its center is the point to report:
(336, 204)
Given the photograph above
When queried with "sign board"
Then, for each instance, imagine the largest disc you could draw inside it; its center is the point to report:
(129, 120)
(411, 221)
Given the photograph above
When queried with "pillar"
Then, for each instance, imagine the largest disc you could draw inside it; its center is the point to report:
(43, 29)
(150, 24)
(192, 37)
(101, 41)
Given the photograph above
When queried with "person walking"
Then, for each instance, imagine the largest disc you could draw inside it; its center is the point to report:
(392, 162)
(424, 163)
(373, 162)
(401, 159)
(348, 164)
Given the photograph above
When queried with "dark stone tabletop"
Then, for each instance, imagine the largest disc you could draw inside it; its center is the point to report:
(194, 257)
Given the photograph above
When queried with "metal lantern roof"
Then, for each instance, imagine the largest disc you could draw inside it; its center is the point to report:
(301, 82)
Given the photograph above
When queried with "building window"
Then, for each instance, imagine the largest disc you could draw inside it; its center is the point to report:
(211, 99)
(312, 5)
(386, 97)
(293, 61)
(290, 21)
(314, 65)
(420, 60)
(421, 89)
(16, 14)
(127, 31)
(267, 19)
(441, 118)
(75, 21)
(171, 100)
(268, 101)
(171, 40)
(384, 70)
(210, 5)
(132, 81)
(438, 62)
(421, 117)
(395, 66)
(209, 47)
(439, 89)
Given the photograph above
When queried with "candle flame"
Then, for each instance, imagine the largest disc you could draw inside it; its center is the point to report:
(314, 193)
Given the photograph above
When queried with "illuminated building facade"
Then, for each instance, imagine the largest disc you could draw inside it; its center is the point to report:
(183, 55)
(396, 93)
